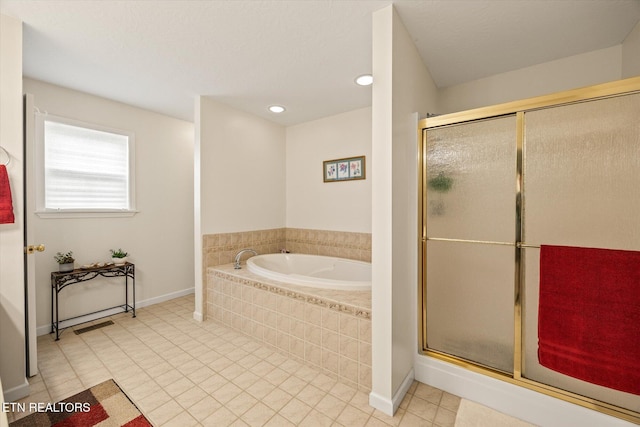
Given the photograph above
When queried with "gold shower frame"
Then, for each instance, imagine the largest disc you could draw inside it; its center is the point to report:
(517, 108)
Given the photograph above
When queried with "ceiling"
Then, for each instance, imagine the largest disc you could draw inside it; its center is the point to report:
(302, 54)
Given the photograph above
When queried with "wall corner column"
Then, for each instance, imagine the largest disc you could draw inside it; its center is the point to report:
(199, 286)
(381, 396)
(12, 289)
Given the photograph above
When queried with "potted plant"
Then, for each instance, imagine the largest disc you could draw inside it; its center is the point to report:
(118, 256)
(65, 261)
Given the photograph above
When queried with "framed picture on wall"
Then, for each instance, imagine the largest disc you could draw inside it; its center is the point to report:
(344, 169)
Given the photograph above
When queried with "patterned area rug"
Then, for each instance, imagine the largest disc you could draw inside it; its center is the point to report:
(104, 404)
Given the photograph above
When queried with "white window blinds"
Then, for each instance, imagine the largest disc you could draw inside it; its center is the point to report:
(85, 168)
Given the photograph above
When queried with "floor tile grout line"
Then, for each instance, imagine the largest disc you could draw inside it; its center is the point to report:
(172, 323)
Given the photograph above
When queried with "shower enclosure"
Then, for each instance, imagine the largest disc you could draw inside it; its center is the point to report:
(496, 184)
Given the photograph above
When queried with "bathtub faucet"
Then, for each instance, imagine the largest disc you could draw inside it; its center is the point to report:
(236, 262)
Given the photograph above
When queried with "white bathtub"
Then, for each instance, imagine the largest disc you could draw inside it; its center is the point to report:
(313, 270)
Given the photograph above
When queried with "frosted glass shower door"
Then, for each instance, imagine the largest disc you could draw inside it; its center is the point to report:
(581, 187)
(470, 224)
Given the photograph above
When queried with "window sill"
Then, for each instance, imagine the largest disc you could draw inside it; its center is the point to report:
(86, 213)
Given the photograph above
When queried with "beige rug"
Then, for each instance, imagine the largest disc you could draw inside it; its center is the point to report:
(471, 414)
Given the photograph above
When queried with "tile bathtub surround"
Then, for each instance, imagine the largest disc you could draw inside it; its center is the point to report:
(220, 249)
(325, 329)
(341, 244)
(183, 373)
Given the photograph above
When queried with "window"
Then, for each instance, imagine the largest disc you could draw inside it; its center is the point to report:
(84, 170)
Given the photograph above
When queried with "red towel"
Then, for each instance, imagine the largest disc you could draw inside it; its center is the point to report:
(589, 315)
(6, 206)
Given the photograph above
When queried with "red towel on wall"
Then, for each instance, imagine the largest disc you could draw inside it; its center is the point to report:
(6, 205)
(589, 315)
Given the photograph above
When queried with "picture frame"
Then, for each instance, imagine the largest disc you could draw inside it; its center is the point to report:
(347, 169)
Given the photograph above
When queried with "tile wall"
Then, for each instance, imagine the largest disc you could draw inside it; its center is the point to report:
(315, 330)
(219, 249)
(327, 332)
(329, 243)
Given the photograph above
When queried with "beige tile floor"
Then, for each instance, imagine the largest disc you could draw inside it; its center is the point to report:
(183, 373)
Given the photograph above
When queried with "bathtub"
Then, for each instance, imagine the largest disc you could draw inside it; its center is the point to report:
(313, 270)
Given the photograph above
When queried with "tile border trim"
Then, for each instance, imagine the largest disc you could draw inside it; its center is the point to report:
(311, 299)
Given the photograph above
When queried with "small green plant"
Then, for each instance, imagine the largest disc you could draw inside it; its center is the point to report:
(64, 258)
(440, 183)
(118, 253)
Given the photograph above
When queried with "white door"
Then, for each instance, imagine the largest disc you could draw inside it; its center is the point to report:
(32, 248)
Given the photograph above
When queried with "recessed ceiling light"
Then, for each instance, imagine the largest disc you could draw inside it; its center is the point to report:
(364, 80)
(277, 109)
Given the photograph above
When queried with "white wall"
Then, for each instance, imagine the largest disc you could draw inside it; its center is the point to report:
(239, 176)
(159, 238)
(631, 53)
(336, 206)
(403, 87)
(12, 333)
(242, 176)
(587, 69)
(199, 309)
(413, 91)
(381, 396)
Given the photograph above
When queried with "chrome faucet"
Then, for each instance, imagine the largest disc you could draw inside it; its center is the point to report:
(236, 262)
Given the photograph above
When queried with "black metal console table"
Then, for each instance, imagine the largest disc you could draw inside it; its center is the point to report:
(60, 280)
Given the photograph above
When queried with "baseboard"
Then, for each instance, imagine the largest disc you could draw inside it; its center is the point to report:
(165, 297)
(16, 393)
(403, 389)
(510, 399)
(389, 407)
(381, 403)
(46, 329)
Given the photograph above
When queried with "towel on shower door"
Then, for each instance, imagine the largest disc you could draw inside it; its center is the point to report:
(6, 205)
(589, 315)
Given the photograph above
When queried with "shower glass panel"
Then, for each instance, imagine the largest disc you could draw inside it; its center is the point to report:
(581, 188)
(470, 226)
(470, 302)
(471, 170)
